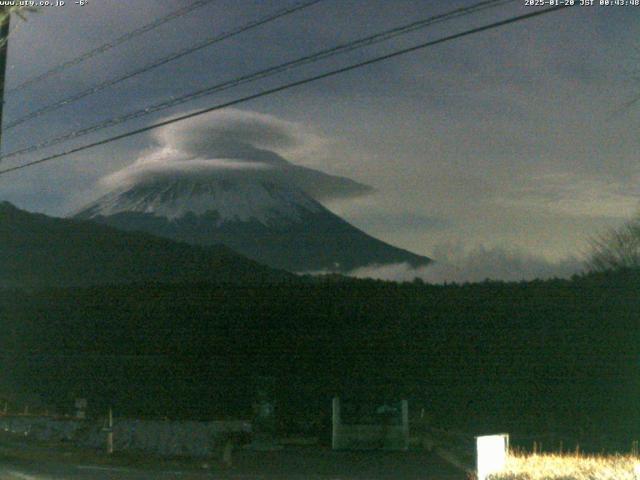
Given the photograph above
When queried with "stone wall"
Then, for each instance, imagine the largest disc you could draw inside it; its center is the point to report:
(188, 438)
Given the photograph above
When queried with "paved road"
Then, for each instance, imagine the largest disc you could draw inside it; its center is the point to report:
(303, 464)
(13, 471)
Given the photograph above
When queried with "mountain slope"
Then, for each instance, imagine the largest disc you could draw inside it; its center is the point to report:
(37, 250)
(267, 220)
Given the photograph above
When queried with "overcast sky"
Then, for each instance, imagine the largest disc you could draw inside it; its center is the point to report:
(514, 140)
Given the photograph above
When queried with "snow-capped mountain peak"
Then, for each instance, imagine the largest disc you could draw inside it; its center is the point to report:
(232, 200)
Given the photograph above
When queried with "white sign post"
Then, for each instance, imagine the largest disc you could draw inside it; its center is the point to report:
(492, 451)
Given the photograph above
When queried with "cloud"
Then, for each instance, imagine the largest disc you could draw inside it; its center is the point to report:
(232, 131)
(234, 145)
(455, 265)
(398, 220)
(570, 194)
(520, 109)
(170, 163)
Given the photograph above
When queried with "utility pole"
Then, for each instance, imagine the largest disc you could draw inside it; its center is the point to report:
(5, 16)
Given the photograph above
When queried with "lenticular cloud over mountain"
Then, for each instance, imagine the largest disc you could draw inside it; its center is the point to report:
(217, 133)
(234, 145)
(223, 178)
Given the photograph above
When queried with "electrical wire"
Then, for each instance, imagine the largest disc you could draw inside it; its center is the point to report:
(108, 46)
(321, 55)
(157, 63)
(287, 86)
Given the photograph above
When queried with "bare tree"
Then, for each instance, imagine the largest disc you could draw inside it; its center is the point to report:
(616, 249)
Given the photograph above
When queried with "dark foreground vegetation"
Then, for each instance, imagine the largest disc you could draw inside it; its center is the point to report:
(542, 356)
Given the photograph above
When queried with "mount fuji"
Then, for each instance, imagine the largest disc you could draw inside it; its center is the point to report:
(217, 184)
(273, 224)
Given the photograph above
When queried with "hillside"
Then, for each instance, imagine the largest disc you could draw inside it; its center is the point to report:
(36, 250)
(558, 355)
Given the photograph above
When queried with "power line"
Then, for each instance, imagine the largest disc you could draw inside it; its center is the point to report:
(162, 61)
(323, 54)
(108, 46)
(289, 85)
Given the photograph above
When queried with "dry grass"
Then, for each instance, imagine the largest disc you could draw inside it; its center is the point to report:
(570, 467)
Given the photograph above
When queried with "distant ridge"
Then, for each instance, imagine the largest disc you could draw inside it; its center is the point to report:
(37, 250)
